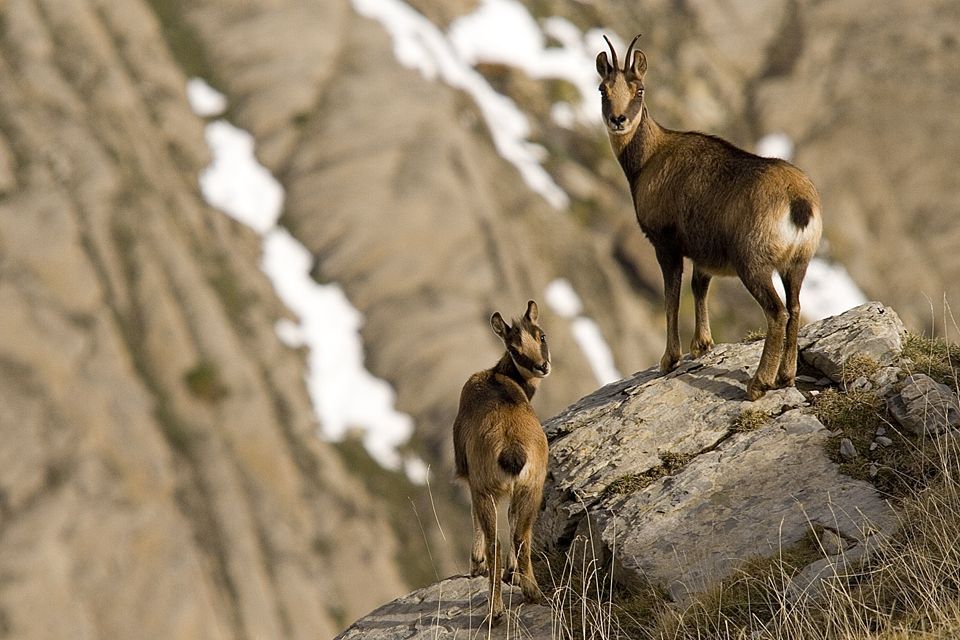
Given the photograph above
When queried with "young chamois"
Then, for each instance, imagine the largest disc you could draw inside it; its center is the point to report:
(731, 212)
(501, 451)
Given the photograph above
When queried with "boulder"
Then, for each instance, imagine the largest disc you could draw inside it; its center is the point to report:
(924, 406)
(871, 330)
(453, 608)
(653, 472)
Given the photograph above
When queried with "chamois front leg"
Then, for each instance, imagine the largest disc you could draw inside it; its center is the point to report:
(702, 338)
(792, 280)
(761, 288)
(671, 264)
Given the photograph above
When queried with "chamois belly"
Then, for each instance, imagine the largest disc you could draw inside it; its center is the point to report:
(708, 251)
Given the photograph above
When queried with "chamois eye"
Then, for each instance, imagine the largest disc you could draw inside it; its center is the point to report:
(640, 92)
(543, 337)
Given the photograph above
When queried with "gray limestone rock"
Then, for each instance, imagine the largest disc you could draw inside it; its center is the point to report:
(924, 406)
(870, 329)
(673, 496)
(847, 450)
(453, 608)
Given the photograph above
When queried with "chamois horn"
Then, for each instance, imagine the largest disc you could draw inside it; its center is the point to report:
(613, 53)
(626, 59)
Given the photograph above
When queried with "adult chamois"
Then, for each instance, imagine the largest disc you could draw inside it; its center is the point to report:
(501, 451)
(731, 212)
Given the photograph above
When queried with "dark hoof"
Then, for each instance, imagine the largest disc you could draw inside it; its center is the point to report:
(698, 349)
(668, 363)
(785, 381)
(755, 390)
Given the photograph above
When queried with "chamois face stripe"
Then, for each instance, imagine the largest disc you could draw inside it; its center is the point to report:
(622, 98)
(526, 347)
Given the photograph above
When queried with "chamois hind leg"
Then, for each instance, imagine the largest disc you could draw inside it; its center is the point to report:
(760, 286)
(671, 264)
(510, 574)
(702, 338)
(526, 503)
(485, 510)
(478, 555)
(792, 281)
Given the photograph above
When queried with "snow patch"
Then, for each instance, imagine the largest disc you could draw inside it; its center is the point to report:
(504, 32)
(827, 290)
(775, 145)
(420, 45)
(236, 183)
(562, 298)
(565, 302)
(345, 396)
(205, 101)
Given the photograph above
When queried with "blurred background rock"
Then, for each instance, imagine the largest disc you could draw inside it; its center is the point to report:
(160, 469)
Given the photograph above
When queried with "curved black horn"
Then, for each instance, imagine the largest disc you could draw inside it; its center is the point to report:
(626, 60)
(613, 53)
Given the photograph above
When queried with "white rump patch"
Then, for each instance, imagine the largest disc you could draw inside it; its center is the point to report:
(790, 233)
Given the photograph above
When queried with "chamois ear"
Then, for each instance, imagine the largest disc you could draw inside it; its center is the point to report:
(639, 66)
(499, 326)
(532, 312)
(603, 66)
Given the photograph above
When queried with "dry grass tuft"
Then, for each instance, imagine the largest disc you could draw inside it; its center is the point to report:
(670, 463)
(859, 365)
(935, 357)
(750, 420)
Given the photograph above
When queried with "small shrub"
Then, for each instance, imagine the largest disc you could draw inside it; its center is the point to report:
(670, 463)
(750, 420)
(204, 382)
(754, 335)
(859, 365)
(852, 412)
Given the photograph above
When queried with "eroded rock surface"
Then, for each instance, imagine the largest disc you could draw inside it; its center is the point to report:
(453, 608)
(659, 472)
(675, 480)
(925, 406)
(134, 504)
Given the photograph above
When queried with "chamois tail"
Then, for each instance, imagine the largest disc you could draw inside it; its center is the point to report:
(512, 459)
(800, 212)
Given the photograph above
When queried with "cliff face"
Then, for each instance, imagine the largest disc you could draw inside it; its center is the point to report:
(160, 472)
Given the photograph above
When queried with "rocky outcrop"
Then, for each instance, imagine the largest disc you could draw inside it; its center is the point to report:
(925, 407)
(675, 480)
(652, 466)
(453, 608)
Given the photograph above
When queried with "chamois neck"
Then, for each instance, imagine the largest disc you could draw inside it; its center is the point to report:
(634, 149)
(507, 368)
